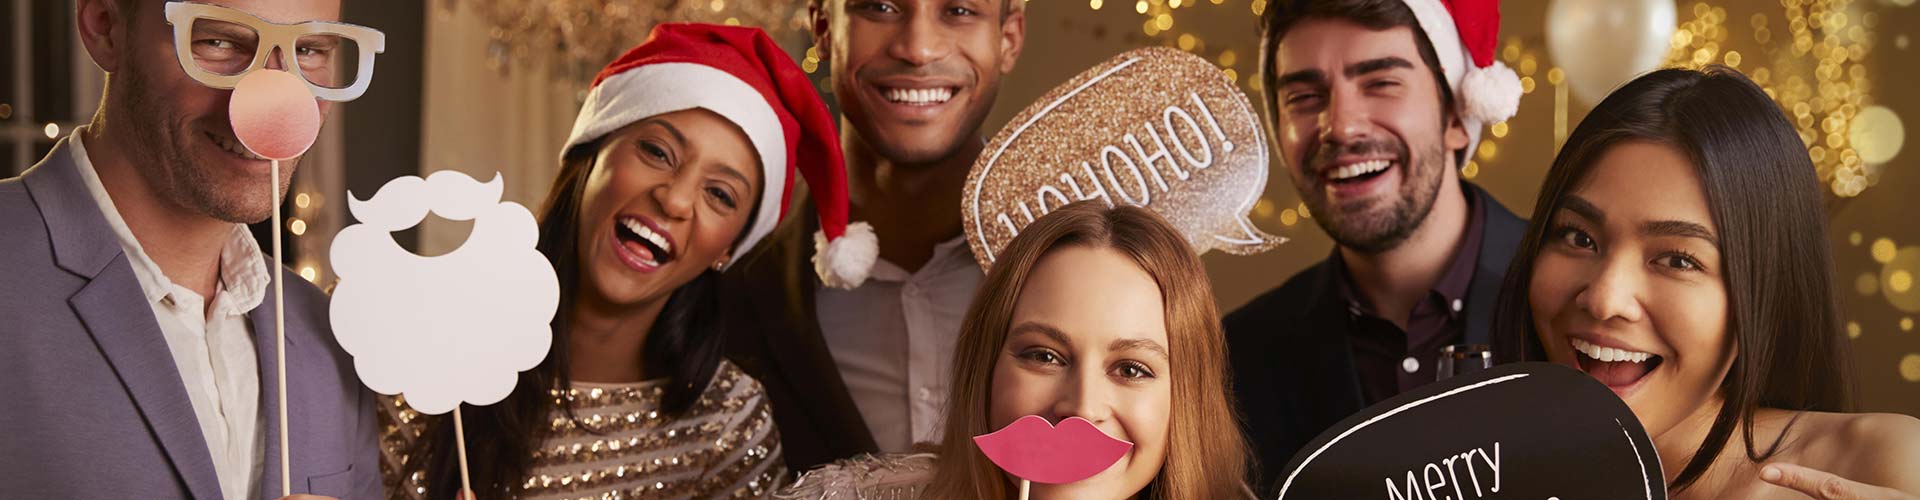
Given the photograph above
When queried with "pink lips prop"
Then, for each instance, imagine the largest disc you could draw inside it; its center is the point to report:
(1034, 450)
(273, 114)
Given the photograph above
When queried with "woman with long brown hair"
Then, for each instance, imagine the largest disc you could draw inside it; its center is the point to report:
(1679, 255)
(1092, 312)
(680, 160)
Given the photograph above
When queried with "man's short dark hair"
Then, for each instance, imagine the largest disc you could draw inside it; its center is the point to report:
(1282, 15)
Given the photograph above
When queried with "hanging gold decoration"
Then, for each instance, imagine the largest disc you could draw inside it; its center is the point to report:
(1814, 68)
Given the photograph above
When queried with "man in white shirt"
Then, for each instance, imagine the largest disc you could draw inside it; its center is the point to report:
(865, 370)
(132, 338)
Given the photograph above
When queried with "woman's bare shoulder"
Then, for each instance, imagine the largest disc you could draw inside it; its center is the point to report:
(1881, 449)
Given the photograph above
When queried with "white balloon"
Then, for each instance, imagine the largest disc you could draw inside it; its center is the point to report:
(1601, 44)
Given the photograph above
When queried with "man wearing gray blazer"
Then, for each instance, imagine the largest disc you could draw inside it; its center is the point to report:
(137, 346)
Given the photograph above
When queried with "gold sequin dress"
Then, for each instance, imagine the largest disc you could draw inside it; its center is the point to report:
(866, 477)
(725, 446)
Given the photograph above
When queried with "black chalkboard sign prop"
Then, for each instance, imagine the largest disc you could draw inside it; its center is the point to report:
(1535, 431)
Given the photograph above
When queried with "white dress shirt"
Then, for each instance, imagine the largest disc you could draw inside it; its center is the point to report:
(212, 347)
(893, 340)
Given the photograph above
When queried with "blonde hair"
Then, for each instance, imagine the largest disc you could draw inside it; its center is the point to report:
(1206, 456)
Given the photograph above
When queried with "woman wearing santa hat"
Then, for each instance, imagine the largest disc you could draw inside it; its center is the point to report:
(681, 159)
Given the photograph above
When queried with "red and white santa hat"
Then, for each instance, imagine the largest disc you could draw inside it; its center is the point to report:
(741, 75)
(1464, 35)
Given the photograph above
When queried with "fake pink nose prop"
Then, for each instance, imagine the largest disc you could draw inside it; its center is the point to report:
(1033, 449)
(274, 114)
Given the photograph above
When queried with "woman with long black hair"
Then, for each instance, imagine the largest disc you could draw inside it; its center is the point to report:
(680, 159)
(1679, 255)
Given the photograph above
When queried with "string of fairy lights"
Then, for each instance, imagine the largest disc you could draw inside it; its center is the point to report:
(303, 206)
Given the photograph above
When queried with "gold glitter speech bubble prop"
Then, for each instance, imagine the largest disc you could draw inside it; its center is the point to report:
(1153, 127)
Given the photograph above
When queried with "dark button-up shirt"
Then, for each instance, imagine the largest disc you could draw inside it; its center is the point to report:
(1390, 360)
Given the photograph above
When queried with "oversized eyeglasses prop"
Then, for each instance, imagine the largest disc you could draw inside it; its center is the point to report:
(219, 46)
(273, 111)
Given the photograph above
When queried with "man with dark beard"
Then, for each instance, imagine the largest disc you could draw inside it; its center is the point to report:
(1373, 115)
(863, 367)
(137, 342)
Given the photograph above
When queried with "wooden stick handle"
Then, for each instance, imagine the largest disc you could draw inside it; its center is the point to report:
(460, 442)
(1025, 485)
(280, 334)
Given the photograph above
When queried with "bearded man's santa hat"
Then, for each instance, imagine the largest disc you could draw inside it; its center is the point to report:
(1464, 34)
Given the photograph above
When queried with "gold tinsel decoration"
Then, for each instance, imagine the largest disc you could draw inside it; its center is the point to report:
(1815, 69)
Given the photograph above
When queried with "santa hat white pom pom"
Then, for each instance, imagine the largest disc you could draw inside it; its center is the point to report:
(846, 261)
(1492, 93)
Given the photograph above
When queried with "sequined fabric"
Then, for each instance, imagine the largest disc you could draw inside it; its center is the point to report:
(867, 477)
(623, 447)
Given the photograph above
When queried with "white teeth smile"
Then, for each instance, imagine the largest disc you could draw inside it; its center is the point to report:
(235, 148)
(1609, 354)
(919, 96)
(1353, 170)
(647, 233)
